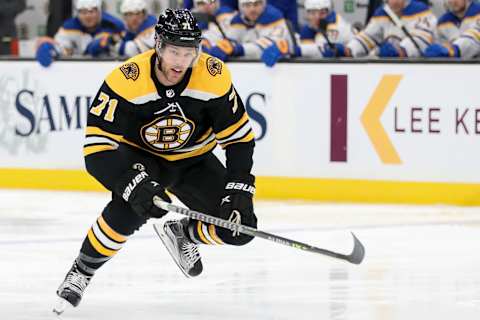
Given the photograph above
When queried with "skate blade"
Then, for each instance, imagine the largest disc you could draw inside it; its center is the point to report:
(61, 306)
(158, 229)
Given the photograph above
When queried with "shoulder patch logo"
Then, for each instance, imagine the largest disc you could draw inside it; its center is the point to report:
(130, 70)
(214, 66)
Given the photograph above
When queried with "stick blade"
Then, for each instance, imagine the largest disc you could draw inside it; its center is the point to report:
(358, 252)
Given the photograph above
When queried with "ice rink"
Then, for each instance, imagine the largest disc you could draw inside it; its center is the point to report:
(421, 263)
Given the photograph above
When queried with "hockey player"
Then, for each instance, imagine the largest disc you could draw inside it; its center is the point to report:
(467, 45)
(461, 16)
(212, 19)
(389, 40)
(323, 22)
(140, 34)
(89, 33)
(151, 128)
(289, 8)
(258, 31)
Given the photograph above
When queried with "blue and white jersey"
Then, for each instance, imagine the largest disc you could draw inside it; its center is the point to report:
(211, 32)
(338, 30)
(450, 26)
(142, 40)
(469, 43)
(417, 18)
(72, 38)
(270, 27)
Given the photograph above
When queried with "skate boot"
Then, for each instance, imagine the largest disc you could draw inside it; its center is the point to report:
(71, 290)
(183, 251)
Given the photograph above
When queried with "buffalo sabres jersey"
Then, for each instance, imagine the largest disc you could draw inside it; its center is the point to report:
(175, 123)
(338, 30)
(270, 27)
(468, 43)
(417, 18)
(450, 26)
(142, 40)
(213, 31)
(73, 39)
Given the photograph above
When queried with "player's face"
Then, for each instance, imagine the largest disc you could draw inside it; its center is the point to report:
(133, 20)
(253, 10)
(206, 6)
(315, 16)
(175, 63)
(457, 6)
(89, 18)
(397, 5)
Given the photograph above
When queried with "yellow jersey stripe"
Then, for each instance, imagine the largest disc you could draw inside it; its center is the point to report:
(70, 31)
(474, 33)
(366, 39)
(109, 231)
(205, 136)
(271, 25)
(179, 156)
(97, 131)
(247, 138)
(98, 246)
(97, 148)
(230, 130)
(447, 24)
(417, 15)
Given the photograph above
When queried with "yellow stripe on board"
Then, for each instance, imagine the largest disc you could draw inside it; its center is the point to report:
(78, 180)
(333, 190)
(368, 191)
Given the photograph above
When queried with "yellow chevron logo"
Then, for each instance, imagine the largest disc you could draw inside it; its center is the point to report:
(371, 119)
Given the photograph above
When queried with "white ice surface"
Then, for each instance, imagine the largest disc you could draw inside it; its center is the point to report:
(421, 263)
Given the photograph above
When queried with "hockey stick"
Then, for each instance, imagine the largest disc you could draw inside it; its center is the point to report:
(323, 25)
(396, 21)
(355, 257)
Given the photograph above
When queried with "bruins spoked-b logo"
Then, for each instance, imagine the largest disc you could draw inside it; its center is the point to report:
(167, 133)
(130, 70)
(214, 66)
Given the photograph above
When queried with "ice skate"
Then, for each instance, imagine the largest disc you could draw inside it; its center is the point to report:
(71, 290)
(183, 251)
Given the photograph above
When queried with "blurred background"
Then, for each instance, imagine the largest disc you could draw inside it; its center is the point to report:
(43, 17)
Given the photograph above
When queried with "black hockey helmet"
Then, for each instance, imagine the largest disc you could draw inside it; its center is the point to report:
(178, 27)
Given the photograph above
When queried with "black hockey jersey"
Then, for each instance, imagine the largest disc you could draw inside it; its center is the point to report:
(175, 123)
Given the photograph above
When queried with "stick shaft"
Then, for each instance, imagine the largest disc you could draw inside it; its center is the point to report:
(396, 21)
(356, 257)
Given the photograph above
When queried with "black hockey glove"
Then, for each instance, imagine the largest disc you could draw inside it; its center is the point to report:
(237, 202)
(138, 189)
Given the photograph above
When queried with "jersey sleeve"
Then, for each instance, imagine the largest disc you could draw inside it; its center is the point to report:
(106, 124)
(422, 33)
(68, 37)
(469, 43)
(233, 131)
(369, 38)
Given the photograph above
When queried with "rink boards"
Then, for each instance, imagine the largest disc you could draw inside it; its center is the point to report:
(362, 132)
